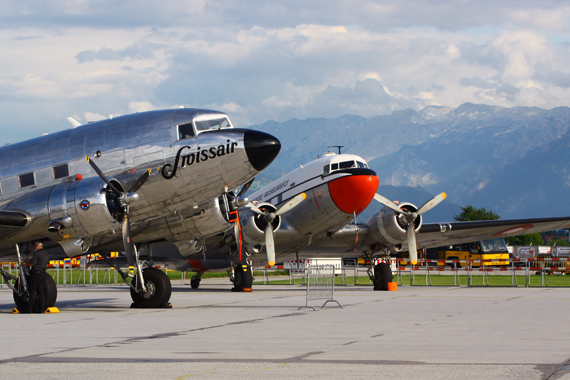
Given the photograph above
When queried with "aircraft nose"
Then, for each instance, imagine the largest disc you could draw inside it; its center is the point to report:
(355, 192)
(261, 148)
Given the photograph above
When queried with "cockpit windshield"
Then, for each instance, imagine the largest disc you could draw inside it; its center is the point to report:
(343, 165)
(214, 123)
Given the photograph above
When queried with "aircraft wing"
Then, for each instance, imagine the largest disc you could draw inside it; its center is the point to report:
(345, 240)
(439, 234)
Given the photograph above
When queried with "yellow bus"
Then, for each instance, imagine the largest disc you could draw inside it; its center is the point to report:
(493, 249)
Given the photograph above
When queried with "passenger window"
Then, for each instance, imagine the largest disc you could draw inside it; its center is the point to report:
(27, 180)
(60, 171)
(185, 131)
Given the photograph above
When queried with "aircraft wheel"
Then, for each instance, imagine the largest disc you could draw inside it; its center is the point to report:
(158, 291)
(382, 276)
(243, 277)
(50, 291)
(195, 282)
(50, 294)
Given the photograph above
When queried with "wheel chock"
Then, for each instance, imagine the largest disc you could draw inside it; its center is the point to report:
(15, 311)
(167, 305)
(52, 310)
(247, 290)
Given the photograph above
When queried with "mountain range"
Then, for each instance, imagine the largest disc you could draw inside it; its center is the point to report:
(513, 161)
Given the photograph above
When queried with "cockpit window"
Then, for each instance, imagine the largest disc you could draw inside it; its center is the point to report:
(218, 123)
(185, 131)
(344, 165)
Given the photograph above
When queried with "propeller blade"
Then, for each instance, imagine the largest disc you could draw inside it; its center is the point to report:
(102, 176)
(254, 208)
(291, 204)
(245, 188)
(142, 179)
(431, 203)
(128, 239)
(412, 246)
(388, 203)
(269, 245)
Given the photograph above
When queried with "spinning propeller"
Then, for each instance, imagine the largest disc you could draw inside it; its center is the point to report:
(122, 200)
(408, 217)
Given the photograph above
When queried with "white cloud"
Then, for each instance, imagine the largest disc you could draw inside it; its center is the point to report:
(261, 60)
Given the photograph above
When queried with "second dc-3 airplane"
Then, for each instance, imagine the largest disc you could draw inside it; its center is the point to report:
(124, 184)
(305, 214)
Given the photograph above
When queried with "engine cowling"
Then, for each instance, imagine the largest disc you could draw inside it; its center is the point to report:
(388, 228)
(253, 225)
(92, 208)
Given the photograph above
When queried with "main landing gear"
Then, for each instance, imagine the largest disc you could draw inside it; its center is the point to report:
(150, 287)
(242, 278)
(20, 286)
(380, 274)
(156, 291)
(22, 300)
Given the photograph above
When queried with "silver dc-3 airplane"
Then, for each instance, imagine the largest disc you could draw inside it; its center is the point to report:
(125, 184)
(305, 214)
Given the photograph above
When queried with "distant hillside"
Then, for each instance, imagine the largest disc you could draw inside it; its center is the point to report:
(514, 161)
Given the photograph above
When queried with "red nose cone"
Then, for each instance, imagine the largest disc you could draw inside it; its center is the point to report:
(352, 194)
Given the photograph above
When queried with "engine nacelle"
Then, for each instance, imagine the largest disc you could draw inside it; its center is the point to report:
(388, 228)
(89, 205)
(253, 225)
(74, 210)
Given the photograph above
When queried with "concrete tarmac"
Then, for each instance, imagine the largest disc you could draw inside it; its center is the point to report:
(415, 332)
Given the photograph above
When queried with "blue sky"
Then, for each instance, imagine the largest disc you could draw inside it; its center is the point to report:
(260, 60)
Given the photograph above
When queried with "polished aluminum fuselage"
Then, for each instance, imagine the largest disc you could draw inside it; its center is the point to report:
(122, 148)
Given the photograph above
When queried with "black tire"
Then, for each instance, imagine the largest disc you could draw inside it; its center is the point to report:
(382, 276)
(243, 277)
(195, 282)
(51, 291)
(50, 294)
(158, 286)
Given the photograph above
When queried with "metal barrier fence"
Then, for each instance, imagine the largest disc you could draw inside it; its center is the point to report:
(320, 285)
(525, 267)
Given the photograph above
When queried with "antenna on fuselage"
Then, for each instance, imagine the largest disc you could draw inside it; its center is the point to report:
(336, 146)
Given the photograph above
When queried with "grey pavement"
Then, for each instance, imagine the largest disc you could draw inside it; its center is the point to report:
(415, 332)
